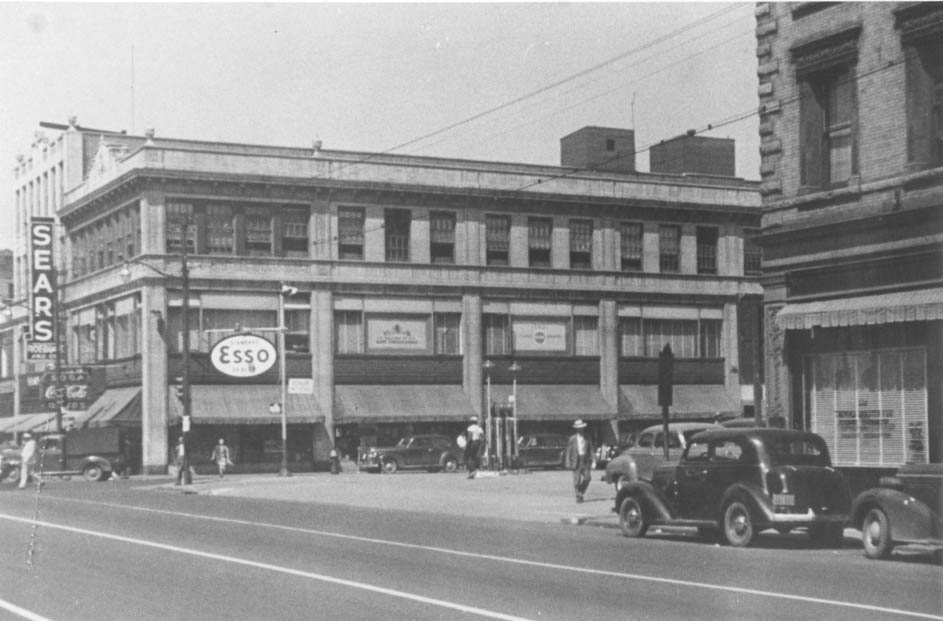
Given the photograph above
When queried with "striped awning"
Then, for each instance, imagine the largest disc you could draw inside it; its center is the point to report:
(556, 401)
(244, 404)
(900, 306)
(374, 403)
(113, 406)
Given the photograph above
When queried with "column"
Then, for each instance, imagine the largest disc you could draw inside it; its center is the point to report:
(322, 230)
(560, 253)
(688, 249)
(730, 350)
(322, 367)
(472, 361)
(153, 223)
(420, 237)
(609, 365)
(374, 239)
(518, 250)
(650, 248)
(154, 384)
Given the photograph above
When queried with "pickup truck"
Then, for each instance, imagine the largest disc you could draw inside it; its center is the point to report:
(94, 453)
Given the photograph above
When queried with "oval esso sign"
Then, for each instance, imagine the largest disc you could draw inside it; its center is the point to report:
(243, 355)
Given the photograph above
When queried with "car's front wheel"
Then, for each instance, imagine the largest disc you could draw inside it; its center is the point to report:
(632, 518)
(390, 466)
(450, 464)
(876, 534)
(738, 524)
(827, 535)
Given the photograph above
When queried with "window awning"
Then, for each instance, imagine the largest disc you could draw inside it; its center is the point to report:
(556, 401)
(922, 305)
(244, 404)
(690, 401)
(114, 406)
(374, 403)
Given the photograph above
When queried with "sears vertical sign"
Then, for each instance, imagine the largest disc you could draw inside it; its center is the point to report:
(42, 291)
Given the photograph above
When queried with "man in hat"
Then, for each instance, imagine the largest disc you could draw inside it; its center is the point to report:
(474, 435)
(27, 460)
(579, 459)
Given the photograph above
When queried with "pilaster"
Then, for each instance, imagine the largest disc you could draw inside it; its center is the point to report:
(419, 236)
(374, 240)
(650, 248)
(472, 361)
(155, 447)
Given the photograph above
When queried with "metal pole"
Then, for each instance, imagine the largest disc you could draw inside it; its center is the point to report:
(185, 358)
(513, 447)
(58, 372)
(284, 381)
(489, 423)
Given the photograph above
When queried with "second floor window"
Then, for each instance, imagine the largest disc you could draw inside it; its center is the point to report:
(220, 238)
(630, 246)
(258, 231)
(496, 330)
(349, 332)
(924, 62)
(497, 239)
(350, 222)
(295, 232)
(180, 223)
(752, 253)
(669, 248)
(581, 244)
(706, 250)
(828, 117)
(396, 224)
(448, 333)
(442, 237)
(539, 241)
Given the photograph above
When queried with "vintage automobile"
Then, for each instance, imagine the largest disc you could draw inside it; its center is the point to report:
(542, 450)
(906, 509)
(740, 482)
(639, 460)
(429, 452)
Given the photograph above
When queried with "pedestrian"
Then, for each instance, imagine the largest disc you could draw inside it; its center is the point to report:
(180, 457)
(473, 436)
(27, 460)
(579, 459)
(221, 457)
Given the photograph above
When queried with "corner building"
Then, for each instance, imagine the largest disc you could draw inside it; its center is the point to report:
(412, 272)
(851, 109)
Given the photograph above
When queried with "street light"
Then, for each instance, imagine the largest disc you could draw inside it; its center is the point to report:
(514, 369)
(489, 423)
(185, 358)
(286, 290)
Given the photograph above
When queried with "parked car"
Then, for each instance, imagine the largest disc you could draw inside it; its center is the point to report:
(542, 450)
(639, 460)
(429, 452)
(606, 453)
(905, 509)
(740, 482)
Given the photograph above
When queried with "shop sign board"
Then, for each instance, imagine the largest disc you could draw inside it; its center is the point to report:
(397, 334)
(540, 336)
(243, 355)
(41, 344)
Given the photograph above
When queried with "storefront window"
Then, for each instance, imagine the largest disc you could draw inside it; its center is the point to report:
(681, 334)
(871, 407)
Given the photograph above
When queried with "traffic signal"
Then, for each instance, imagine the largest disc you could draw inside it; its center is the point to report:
(665, 375)
(178, 388)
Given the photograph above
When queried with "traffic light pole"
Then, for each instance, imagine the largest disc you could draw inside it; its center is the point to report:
(665, 385)
(185, 358)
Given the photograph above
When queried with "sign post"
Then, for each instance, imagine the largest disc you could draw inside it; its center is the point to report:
(665, 384)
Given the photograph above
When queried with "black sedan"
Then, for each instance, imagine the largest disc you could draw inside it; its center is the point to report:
(542, 450)
(424, 452)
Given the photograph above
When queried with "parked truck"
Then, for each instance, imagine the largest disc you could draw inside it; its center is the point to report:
(95, 454)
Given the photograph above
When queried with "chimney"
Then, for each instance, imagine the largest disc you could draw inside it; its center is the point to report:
(691, 153)
(599, 148)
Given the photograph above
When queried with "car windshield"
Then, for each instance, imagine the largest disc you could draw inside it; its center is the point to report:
(798, 452)
(403, 442)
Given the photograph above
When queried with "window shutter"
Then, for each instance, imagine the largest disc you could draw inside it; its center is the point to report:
(811, 128)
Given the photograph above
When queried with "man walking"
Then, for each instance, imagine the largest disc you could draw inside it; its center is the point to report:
(221, 457)
(579, 459)
(474, 435)
(27, 459)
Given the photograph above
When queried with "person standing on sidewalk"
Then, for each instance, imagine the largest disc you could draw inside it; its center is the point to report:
(474, 436)
(221, 457)
(180, 454)
(579, 459)
(28, 460)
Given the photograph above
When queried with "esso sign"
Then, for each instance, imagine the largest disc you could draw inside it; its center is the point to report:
(243, 355)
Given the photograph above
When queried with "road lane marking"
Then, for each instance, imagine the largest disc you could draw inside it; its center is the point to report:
(26, 614)
(516, 561)
(491, 614)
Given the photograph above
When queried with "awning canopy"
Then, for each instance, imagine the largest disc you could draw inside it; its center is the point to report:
(374, 403)
(244, 404)
(556, 401)
(45, 421)
(922, 305)
(114, 406)
(689, 401)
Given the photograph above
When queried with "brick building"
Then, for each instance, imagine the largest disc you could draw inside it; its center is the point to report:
(411, 272)
(851, 109)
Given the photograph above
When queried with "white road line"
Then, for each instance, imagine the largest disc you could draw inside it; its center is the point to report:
(515, 561)
(266, 566)
(26, 614)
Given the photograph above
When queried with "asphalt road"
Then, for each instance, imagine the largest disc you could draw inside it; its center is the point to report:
(132, 551)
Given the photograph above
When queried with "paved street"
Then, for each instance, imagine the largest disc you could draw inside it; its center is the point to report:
(413, 546)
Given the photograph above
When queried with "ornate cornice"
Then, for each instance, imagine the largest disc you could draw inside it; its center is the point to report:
(920, 20)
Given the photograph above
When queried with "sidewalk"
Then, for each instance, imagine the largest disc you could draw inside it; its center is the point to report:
(541, 496)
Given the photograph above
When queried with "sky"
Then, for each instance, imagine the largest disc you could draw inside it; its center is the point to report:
(507, 80)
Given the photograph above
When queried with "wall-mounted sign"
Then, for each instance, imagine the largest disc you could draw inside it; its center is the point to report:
(243, 355)
(41, 344)
(540, 336)
(400, 333)
(300, 386)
